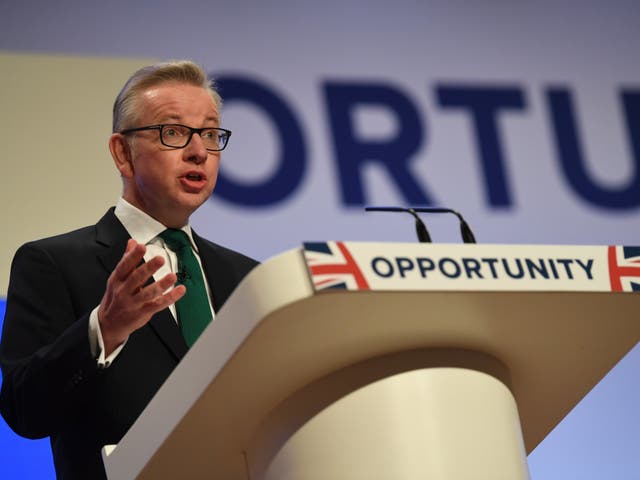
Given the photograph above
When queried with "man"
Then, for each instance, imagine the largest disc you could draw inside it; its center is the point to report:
(98, 318)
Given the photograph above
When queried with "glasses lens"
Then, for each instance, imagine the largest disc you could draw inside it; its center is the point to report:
(175, 135)
(214, 139)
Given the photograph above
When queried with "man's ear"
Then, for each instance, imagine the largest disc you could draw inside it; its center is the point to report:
(121, 154)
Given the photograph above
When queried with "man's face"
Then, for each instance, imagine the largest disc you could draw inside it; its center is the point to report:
(167, 183)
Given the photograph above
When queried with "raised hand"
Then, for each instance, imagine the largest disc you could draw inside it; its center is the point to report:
(128, 303)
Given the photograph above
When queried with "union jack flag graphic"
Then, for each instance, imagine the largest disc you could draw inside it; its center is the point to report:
(332, 267)
(624, 268)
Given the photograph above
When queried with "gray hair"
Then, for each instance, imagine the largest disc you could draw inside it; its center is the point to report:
(184, 71)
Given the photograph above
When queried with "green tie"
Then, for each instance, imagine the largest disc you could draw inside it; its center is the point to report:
(194, 312)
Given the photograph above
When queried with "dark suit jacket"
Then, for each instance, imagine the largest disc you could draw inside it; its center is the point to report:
(51, 383)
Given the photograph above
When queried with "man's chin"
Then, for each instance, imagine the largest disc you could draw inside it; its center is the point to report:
(191, 202)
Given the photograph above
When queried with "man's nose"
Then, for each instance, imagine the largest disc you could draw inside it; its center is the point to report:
(195, 150)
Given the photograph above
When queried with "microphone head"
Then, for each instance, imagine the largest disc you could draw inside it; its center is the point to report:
(467, 234)
(183, 274)
(422, 232)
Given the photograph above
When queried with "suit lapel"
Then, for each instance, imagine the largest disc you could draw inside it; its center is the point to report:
(166, 328)
(111, 234)
(216, 270)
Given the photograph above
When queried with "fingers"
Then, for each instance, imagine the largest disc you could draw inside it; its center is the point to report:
(161, 302)
(129, 275)
(133, 255)
(141, 274)
(152, 299)
(176, 294)
(156, 288)
(134, 285)
(128, 302)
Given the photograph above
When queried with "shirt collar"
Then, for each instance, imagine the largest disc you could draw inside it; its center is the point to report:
(142, 227)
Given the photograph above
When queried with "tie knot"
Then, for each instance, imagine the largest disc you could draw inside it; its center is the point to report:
(176, 239)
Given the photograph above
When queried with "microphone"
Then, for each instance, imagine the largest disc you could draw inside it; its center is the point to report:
(465, 230)
(421, 228)
(183, 274)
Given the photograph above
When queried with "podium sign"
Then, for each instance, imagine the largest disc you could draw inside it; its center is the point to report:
(415, 266)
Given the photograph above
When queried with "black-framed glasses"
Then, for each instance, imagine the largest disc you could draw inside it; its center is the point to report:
(175, 135)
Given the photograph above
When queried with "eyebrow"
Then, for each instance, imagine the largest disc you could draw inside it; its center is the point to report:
(170, 118)
(178, 119)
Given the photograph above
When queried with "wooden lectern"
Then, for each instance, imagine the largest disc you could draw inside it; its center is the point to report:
(419, 362)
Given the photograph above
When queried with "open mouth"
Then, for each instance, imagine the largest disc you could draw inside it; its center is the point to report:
(194, 177)
(194, 181)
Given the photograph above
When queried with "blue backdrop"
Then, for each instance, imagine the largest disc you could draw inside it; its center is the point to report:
(19, 457)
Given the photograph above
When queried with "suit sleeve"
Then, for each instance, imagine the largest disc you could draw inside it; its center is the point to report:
(45, 356)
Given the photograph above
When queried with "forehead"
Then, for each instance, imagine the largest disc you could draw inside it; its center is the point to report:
(177, 102)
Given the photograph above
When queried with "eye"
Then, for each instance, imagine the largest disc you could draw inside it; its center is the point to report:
(209, 134)
(175, 131)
